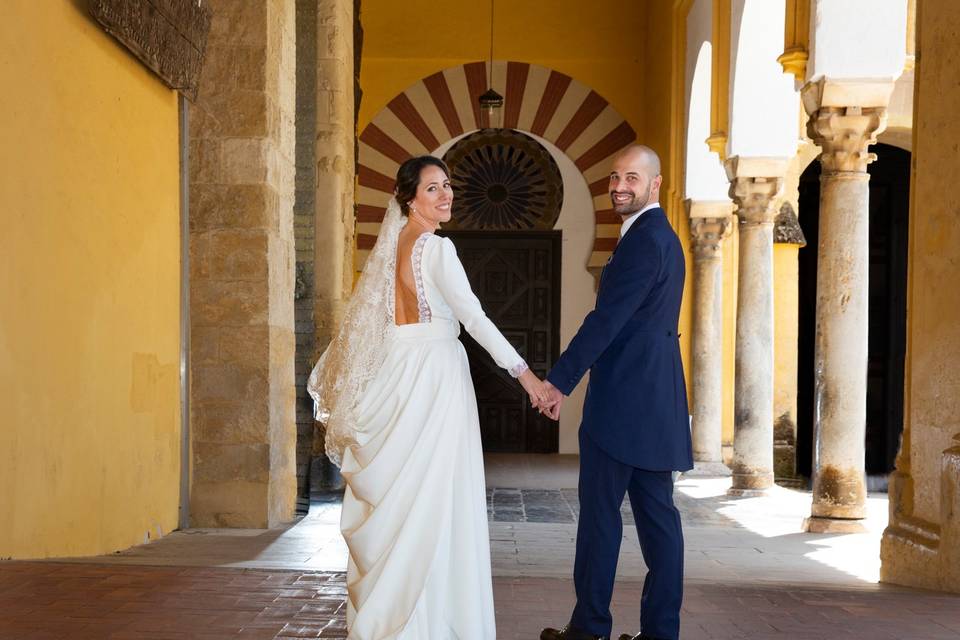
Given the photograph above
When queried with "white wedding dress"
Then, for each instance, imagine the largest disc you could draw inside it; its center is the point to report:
(414, 511)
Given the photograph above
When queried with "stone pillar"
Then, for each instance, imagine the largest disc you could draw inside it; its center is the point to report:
(335, 163)
(710, 224)
(921, 545)
(840, 351)
(242, 271)
(754, 183)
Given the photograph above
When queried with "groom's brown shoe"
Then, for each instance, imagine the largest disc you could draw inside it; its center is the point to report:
(568, 633)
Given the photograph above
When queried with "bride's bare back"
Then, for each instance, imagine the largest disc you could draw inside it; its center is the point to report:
(407, 304)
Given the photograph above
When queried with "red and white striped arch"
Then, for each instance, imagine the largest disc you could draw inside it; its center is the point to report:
(444, 106)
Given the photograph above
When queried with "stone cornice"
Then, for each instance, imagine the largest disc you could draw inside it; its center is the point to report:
(846, 92)
(708, 208)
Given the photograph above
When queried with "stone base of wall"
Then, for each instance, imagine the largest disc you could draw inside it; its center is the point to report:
(921, 554)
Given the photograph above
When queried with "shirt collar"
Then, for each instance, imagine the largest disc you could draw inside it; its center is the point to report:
(629, 221)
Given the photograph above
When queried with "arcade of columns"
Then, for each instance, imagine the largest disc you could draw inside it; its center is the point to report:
(921, 544)
(844, 119)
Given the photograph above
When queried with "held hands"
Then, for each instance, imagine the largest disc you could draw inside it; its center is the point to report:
(543, 395)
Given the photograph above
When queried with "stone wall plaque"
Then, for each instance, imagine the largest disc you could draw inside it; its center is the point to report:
(169, 36)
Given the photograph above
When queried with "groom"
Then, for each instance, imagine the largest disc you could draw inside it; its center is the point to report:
(634, 431)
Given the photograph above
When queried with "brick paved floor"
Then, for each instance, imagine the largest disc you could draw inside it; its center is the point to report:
(41, 601)
(751, 573)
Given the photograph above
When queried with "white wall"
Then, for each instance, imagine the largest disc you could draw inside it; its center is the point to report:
(764, 106)
(577, 293)
(705, 177)
(857, 39)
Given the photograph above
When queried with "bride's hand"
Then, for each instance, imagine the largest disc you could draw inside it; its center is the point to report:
(534, 388)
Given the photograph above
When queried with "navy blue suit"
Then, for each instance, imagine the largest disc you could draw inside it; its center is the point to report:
(635, 428)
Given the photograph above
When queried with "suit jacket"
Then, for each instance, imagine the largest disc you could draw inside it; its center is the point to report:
(636, 404)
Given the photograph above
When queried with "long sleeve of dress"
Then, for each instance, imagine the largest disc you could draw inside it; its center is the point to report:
(446, 272)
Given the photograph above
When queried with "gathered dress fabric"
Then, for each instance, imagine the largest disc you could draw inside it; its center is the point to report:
(414, 510)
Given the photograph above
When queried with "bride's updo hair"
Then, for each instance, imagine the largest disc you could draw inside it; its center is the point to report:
(408, 179)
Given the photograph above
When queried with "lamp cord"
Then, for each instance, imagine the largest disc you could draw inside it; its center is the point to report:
(490, 70)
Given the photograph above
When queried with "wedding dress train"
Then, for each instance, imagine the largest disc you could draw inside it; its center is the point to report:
(414, 511)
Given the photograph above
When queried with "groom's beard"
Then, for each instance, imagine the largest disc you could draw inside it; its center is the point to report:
(634, 204)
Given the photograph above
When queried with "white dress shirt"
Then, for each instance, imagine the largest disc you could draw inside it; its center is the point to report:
(629, 221)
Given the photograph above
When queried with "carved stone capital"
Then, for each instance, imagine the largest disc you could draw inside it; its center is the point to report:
(754, 198)
(708, 235)
(754, 183)
(844, 134)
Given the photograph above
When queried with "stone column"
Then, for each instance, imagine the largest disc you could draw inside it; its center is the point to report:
(335, 163)
(754, 183)
(242, 270)
(840, 352)
(710, 224)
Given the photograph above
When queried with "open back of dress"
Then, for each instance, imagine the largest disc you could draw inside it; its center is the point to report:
(411, 304)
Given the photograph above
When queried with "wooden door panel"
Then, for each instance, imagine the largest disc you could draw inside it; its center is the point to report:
(516, 276)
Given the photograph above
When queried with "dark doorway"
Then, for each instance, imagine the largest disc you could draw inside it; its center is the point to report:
(889, 213)
(516, 276)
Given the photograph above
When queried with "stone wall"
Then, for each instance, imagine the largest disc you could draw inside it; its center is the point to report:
(242, 269)
(303, 229)
(921, 546)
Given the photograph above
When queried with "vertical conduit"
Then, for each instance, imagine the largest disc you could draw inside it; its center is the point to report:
(184, 515)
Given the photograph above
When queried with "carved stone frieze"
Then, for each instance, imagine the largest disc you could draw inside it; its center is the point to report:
(168, 36)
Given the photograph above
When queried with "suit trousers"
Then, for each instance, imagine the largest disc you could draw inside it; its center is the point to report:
(603, 483)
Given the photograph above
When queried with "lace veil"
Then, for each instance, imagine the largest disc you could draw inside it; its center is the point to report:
(360, 346)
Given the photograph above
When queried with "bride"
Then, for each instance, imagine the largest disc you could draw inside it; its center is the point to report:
(394, 392)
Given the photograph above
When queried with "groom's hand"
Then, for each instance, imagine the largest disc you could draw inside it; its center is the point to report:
(551, 408)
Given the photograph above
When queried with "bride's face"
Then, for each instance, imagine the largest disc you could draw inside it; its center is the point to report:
(434, 196)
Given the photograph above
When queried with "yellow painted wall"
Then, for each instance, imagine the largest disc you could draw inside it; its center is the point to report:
(664, 50)
(89, 287)
(731, 265)
(785, 331)
(600, 44)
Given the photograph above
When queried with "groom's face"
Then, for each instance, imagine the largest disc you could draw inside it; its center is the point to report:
(632, 186)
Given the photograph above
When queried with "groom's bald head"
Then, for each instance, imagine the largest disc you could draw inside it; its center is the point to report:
(639, 154)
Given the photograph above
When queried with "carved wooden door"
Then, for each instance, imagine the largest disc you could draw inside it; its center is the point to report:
(516, 276)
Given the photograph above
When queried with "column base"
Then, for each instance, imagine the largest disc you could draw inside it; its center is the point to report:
(702, 469)
(749, 485)
(747, 493)
(816, 524)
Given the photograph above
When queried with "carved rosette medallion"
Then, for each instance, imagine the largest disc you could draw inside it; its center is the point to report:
(503, 179)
